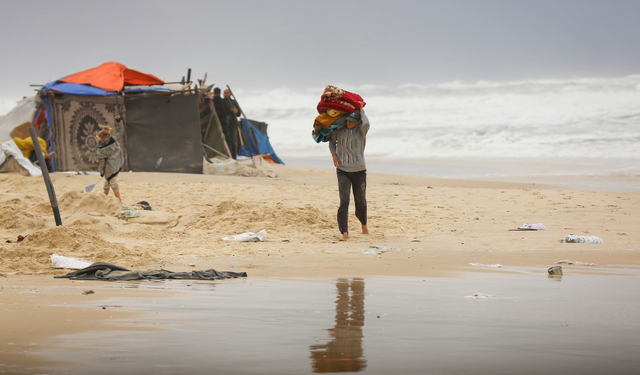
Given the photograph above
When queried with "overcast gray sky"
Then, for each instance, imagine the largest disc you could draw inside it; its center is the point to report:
(263, 44)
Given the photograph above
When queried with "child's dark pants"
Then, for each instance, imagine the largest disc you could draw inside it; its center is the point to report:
(359, 182)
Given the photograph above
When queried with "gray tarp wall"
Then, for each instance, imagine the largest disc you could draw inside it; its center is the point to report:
(167, 127)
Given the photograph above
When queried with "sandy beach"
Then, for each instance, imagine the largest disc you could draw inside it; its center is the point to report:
(432, 227)
(438, 225)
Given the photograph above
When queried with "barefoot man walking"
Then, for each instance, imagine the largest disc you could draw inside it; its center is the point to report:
(347, 149)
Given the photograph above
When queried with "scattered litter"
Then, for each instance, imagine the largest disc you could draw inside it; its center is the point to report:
(582, 239)
(19, 239)
(144, 205)
(88, 292)
(248, 237)
(575, 263)
(234, 266)
(486, 265)
(555, 270)
(480, 296)
(128, 212)
(538, 226)
(375, 250)
(59, 261)
(526, 226)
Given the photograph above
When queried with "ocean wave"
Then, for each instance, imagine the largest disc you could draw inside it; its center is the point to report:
(582, 117)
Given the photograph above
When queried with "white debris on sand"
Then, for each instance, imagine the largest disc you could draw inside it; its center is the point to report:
(486, 265)
(575, 263)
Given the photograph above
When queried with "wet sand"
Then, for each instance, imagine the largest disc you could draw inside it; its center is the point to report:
(578, 323)
(438, 225)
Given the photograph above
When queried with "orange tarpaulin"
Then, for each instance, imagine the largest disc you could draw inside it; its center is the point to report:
(112, 76)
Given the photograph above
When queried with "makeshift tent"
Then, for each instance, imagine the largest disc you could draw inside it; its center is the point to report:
(12, 161)
(161, 124)
(256, 141)
(21, 113)
(165, 125)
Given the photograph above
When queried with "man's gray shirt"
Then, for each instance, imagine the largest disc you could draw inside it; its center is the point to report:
(349, 145)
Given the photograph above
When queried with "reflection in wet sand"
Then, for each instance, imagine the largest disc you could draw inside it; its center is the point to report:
(344, 352)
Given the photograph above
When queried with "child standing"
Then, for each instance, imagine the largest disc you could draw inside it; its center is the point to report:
(347, 149)
(110, 159)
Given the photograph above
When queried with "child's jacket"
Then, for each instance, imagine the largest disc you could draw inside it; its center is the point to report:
(110, 155)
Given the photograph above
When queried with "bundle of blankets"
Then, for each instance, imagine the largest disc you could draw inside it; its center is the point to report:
(335, 108)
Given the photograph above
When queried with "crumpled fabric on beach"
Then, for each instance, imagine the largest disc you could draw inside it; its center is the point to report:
(375, 250)
(60, 261)
(486, 265)
(248, 237)
(111, 272)
(128, 212)
(144, 205)
(538, 226)
(583, 239)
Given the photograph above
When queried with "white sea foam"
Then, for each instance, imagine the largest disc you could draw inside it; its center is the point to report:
(593, 118)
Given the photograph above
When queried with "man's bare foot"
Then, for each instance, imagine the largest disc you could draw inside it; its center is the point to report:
(365, 230)
(345, 236)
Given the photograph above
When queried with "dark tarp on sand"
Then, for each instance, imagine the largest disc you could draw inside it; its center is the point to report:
(111, 272)
(166, 127)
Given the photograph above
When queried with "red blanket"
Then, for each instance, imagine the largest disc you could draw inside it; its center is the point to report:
(340, 100)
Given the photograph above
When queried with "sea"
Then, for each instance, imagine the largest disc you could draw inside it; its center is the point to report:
(567, 131)
(583, 131)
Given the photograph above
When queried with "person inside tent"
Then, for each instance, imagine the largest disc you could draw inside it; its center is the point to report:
(28, 150)
(110, 158)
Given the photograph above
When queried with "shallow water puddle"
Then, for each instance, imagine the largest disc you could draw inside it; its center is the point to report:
(528, 324)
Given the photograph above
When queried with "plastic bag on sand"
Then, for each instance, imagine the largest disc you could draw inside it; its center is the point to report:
(375, 250)
(583, 239)
(486, 265)
(59, 261)
(128, 212)
(248, 237)
(538, 226)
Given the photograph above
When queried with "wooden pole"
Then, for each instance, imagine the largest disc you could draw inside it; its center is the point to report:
(245, 117)
(45, 175)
